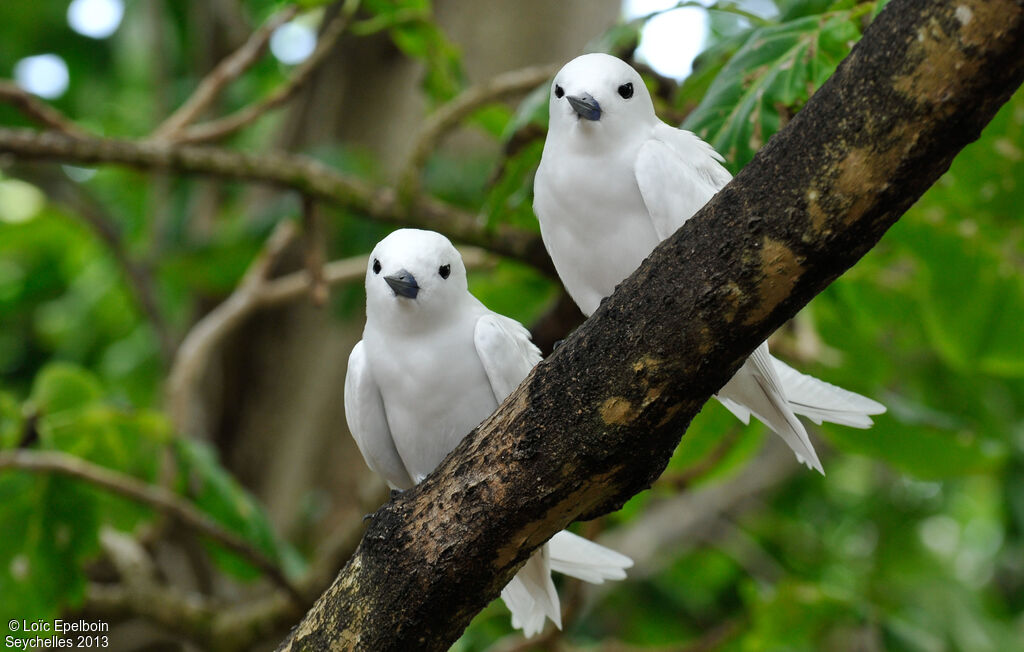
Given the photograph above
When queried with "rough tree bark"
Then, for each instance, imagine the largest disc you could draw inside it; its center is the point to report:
(587, 430)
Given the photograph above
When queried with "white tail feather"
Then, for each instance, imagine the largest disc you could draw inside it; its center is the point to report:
(577, 557)
(821, 401)
(775, 393)
(757, 388)
(531, 595)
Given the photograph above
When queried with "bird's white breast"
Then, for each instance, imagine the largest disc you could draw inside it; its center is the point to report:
(593, 220)
(434, 390)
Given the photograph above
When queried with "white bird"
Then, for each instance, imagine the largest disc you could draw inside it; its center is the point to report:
(613, 182)
(433, 363)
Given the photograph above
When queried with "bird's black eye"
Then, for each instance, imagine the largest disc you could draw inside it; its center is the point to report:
(444, 270)
(626, 91)
(376, 266)
(558, 91)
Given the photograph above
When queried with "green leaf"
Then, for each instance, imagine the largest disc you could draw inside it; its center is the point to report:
(706, 68)
(493, 119)
(704, 437)
(50, 528)
(217, 493)
(534, 291)
(413, 31)
(11, 421)
(510, 199)
(971, 301)
(768, 80)
(921, 441)
(61, 387)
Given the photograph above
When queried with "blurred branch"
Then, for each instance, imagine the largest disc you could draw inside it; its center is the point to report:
(299, 173)
(59, 188)
(556, 323)
(194, 353)
(210, 624)
(449, 115)
(150, 495)
(39, 111)
(667, 524)
(222, 74)
(313, 239)
(221, 127)
(683, 479)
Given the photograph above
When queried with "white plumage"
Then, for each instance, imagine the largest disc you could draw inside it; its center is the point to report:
(613, 182)
(433, 363)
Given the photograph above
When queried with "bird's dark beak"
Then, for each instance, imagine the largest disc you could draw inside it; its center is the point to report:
(403, 284)
(585, 106)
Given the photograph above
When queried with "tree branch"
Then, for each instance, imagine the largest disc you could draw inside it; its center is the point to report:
(150, 495)
(41, 112)
(225, 72)
(222, 127)
(313, 240)
(448, 116)
(292, 171)
(183, 392)
(597, 421)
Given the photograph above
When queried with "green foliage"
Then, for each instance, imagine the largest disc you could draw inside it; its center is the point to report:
(216, 492)
(50, 529)
(413, 31)
(52, 523)
(769, 78)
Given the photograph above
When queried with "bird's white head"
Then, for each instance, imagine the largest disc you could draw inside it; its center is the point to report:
(414, 277)
(599, 98)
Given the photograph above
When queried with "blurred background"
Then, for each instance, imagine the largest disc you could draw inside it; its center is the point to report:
(173, 453)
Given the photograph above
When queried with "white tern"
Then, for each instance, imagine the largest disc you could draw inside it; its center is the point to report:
(613, 182)
(433, 363)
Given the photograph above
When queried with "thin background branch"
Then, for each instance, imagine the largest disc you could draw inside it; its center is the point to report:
(150, 495)
(222, 127)
(449, 115)
(37, 110)
(300, 173)
(222, 74)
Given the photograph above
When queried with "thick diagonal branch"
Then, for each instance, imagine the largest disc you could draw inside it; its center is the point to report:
(598, 420)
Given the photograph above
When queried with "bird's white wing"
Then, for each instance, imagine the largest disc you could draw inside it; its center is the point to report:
(368, 422)
(505, 351)
(677, 173)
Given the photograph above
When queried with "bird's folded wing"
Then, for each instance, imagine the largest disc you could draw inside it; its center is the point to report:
(367, 420)
(506, 352)
(677, 173)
